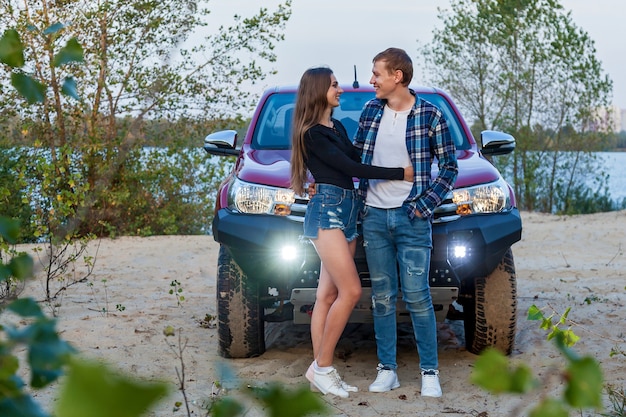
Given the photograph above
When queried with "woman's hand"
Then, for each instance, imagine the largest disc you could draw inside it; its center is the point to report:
(408, 173)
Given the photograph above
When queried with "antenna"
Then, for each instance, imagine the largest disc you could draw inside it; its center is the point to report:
(355, 84)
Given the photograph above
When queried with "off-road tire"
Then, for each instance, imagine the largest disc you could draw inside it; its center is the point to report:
(490, 315)
(240, 324)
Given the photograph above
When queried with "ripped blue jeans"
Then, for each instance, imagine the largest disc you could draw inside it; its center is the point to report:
(332, 207)
(394, 243)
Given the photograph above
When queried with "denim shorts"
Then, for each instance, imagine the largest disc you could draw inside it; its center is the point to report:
(332, 207)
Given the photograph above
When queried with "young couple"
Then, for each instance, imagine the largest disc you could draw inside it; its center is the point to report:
(396, 129)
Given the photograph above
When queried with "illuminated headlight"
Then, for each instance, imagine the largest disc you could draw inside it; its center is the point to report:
(459, 251)
(289, 253)
(486, 198)
(460, 246)
(259, 199)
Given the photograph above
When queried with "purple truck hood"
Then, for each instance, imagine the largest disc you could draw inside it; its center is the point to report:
(271, 167)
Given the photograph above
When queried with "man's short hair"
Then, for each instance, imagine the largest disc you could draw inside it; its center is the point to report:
(397, 59)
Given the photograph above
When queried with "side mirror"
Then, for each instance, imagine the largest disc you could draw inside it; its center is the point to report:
(496, 143)
(221, 143)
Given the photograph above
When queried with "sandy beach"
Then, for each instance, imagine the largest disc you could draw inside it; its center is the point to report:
(119, 313)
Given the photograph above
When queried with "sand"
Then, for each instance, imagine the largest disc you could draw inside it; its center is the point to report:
(118, 315)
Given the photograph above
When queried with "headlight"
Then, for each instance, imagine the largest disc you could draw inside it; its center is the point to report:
(259, 199)
(486, 198)
(288, 252)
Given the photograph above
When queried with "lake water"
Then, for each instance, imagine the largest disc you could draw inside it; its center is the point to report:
(615, 165)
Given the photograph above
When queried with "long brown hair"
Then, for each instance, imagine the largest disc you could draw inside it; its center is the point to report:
(311, 102)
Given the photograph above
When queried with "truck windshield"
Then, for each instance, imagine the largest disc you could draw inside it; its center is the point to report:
(273, 129)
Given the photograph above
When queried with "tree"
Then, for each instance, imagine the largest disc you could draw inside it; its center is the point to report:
(135, 60)
(137, 71)
(526, 68)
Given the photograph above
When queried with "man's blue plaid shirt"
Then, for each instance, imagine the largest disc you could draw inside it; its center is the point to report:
(427, 137)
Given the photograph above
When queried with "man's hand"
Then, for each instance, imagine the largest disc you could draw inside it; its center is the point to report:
(311, 189)
(408, 173)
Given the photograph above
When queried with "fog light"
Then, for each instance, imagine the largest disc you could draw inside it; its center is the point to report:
(459, 251)
(289, 253)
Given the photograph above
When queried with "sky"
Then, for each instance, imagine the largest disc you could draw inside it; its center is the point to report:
(343, 33)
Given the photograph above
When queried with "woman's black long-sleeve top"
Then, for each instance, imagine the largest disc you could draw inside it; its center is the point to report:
(332, 159)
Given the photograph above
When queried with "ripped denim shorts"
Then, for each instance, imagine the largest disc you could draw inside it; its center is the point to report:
(332, 207)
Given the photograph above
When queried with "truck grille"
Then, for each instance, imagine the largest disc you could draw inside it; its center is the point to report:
(298, 209)
(445, 212)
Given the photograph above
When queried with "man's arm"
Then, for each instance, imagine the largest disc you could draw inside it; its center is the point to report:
(444, 149)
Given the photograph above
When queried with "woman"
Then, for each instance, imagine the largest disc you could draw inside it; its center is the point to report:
(321, 145)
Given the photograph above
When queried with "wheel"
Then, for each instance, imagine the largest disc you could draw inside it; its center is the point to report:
(240, 325)
(491, 313)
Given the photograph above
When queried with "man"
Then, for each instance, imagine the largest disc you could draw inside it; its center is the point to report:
(397, 128)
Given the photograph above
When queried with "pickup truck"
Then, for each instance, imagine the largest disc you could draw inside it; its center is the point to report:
(265, 273)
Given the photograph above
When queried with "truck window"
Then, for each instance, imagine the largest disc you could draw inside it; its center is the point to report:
(458, 134)
(273, 129)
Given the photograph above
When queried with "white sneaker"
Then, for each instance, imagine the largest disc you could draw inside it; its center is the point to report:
(348, 387)
(386, 380)
(329, 382)
(344, 385)
(430, 383)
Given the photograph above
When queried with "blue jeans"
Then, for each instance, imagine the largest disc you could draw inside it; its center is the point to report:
(332, 207)
(392, 239)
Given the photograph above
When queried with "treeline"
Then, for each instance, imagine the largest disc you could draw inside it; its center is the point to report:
(139, 191)
(186, 132)
(619, 140)
(164, 183)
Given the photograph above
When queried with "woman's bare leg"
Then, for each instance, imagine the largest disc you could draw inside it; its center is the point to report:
(339, 290)
(325, 296)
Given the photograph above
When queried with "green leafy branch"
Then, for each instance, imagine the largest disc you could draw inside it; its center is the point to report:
(568, 336)
(581, 376)
(21, 265)
(12, 54)
(47, 354)
(56, 175)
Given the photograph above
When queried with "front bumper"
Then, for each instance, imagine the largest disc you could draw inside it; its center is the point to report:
(268, 248)
(464, 248)
(472, 246)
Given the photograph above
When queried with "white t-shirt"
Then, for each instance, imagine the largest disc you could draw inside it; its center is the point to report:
(390, 151)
